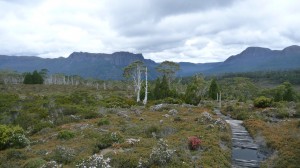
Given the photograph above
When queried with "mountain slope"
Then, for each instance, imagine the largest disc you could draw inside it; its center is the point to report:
(101, 66)
(110, 66)
(260, 59)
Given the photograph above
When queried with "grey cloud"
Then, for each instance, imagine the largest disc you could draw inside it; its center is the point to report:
(150, 12)
(177, 30)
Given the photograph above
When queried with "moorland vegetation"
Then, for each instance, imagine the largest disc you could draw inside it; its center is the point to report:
(78, 122)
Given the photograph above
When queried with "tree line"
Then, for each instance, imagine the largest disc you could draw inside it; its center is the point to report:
(163, 87)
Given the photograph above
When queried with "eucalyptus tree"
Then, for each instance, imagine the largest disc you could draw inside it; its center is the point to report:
(196, 90)
(11, 77)
(146, 87)
(213, 89)
(168, 69)
(134, 71)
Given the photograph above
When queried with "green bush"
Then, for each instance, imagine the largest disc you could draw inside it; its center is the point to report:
(15, 154)
(84, 111)
(95, 161)
(65, 135)
(7, 101)
(90, 114)
(242, 115)
(107, 140)
(12, 136)
(282, 113)
(153, 129)
(170, 100)
(26, 120)
(297, 110)
(124, 160)
(103, 121)
(63, 154)
(161, 154)
(177, 118)
(117, 101)
(34, 163)
(262, 102)
(72, 109)
(41, 125)
(82, 97)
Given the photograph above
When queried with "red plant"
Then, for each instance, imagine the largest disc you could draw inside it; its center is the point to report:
(194, 142)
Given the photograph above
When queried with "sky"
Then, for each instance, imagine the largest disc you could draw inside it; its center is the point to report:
(196, 31)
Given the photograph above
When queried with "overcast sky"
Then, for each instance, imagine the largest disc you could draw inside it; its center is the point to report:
(177, 30)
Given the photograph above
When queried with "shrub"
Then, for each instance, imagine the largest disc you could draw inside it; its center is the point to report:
(84, 111)
(90, 114)
(282, 113)
(297, 110)
(41, 125)
(51, 164)
(7, 101)
(194, 142)
(242, 115)
(12, 136)
(153, 129)
(34, 163)
(71, 109)
(107, 140)
(116, 137)
(19, 141)
(103, 121)
(15, 154)
(262, 102)
(96, 161)
(170, 100)
(66, 135)
(177, 118)
(124, 160)
(161, 154)
(63, 154)
(117, 101)
(82, 97)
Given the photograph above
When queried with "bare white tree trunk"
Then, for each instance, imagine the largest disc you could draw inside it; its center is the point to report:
(146, 88)
(64, 80)
(138, 84)
(104, 86)
(55, 80)
(5, 80)
(72, 80)
(220, 100)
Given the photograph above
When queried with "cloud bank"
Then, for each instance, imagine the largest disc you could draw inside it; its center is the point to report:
(187, 31)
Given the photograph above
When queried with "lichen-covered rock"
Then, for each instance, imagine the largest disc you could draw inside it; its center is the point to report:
(220, 123)
(173, 112)
(123, 114)
(166, 115)
(205, 118)
(157, 107)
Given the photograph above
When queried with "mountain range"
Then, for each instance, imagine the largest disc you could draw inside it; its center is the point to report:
(110, 66)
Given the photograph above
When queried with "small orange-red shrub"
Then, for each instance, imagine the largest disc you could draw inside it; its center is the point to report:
(194, 142)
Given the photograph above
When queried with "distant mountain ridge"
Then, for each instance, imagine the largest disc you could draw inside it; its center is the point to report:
(110, 66)
(260, 59)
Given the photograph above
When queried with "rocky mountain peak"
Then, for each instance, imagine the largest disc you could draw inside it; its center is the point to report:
(255, 51)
